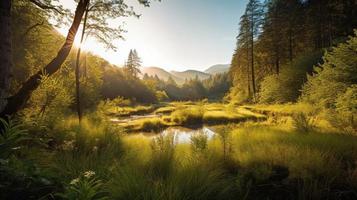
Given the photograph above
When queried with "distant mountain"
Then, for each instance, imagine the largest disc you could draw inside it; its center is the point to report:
(217, 69)
(179, 77)
(161, 73)
(191, 74)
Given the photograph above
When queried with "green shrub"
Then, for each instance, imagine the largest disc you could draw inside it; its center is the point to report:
(334, 76)
(11, 136)
(302, 122)
(286, 86)
(85, 187)
(199, 142)
(89, 146)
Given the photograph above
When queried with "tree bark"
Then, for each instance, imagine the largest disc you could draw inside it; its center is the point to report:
(252, 57)
(18, 100)
(5, 51)
(78, 96)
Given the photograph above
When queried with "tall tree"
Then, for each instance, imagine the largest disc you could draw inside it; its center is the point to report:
(95, 25)
(254, 13)
(19, 99)
(133, 64)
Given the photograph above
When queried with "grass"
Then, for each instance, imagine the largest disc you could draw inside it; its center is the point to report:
(284, 109)
(129, 110)
(253, 161)
(191, 114)
(188, 116)
(152, 125)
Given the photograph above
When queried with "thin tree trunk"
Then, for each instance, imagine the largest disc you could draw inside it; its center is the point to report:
(277, 63)
(5, 51)
(18, 101)
(290, 46)
(248, 72)
(252, 58)
(78, 96)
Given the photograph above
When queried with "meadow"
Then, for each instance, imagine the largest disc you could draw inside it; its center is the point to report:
(269, 158)
(173, 112)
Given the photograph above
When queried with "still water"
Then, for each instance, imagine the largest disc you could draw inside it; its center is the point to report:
(181, 134)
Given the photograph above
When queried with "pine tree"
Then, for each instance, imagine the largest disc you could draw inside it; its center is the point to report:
(133, 64)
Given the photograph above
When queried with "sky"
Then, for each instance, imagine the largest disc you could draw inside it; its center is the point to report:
(176, 34)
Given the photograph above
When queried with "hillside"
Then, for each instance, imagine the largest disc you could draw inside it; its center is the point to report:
(191, 74)
(179, 77)
(161, 73)
(218, 69)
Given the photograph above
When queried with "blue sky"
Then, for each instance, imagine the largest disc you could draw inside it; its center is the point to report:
(180, 34)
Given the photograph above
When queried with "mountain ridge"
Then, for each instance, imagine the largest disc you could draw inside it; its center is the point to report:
(181, 76)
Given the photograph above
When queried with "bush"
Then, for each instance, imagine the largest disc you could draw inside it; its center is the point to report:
(86, 186)
(286, 86)
(346, 106)
(302, 122)
(199, 142)
(334, 76)
(162, 96)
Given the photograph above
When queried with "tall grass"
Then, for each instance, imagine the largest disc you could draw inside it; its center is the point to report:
(188, 116)
(240, 162)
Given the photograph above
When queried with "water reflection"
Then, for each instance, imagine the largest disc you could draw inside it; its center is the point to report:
(183, 135)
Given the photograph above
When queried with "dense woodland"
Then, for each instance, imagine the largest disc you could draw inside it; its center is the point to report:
(290, 51)
(74, 126)
(279, 42)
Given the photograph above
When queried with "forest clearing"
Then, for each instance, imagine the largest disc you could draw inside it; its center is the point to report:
(124, 100)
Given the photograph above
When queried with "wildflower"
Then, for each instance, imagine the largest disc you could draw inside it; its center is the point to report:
(88, 174)
(74, 181)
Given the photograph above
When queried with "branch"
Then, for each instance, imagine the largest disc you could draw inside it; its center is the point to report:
(32, 27)
(46, 7)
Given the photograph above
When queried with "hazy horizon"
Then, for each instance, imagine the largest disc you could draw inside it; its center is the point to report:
(174, 36)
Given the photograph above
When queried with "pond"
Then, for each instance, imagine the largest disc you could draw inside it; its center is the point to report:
(181, 134)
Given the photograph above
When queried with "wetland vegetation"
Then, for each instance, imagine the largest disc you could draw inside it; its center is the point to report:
(278, 123)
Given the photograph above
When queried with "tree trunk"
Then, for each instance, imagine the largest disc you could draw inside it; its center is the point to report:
(18, 100)
(78, 96)
(290, 45)
(5, 51)
(277, 64)
(252, 59)
(248, 72)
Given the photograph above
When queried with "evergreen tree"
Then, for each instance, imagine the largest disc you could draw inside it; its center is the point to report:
(133, 64)
(254, 13)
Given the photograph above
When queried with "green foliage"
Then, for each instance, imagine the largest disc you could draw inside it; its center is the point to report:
(199, 142)
(133, 64)
(92, 145)
(11, 136)
(152, 125)
(224, 134)
(334, 76)
(161, 96)
(188, 116)
(116, 84)
(286, 86)
(302, 122)
(85, 187)
(162, 161)
(345, 114)
(50, 102)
